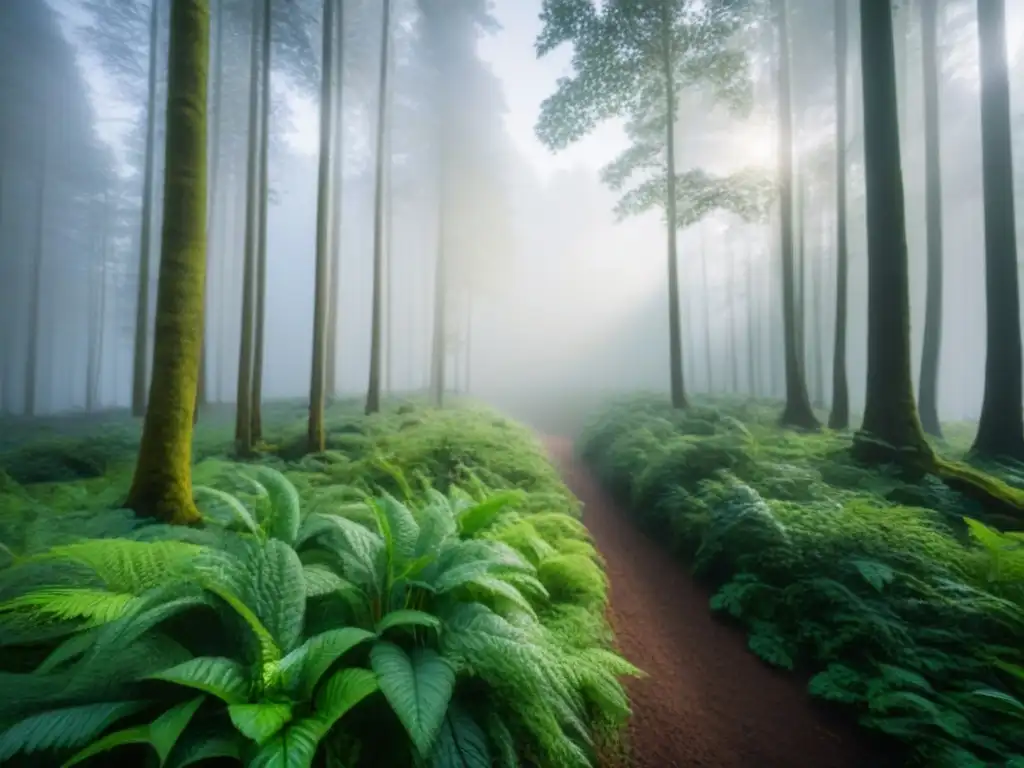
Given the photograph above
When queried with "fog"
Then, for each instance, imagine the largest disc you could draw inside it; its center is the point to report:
(551, 299)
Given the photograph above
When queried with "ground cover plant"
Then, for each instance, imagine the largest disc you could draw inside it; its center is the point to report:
(422, 593)
(893, 592)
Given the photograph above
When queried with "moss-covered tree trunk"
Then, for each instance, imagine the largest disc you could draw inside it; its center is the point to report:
(243, 394)
(140, 362)
(890, 415)
(259, 342)
(932, 344)
(315, 437)
(373, 386)
(839, 416)
(1001, 426)
(675, 342)
(797, 411)
(162, 484)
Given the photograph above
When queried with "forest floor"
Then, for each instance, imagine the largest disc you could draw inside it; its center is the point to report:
(706, 699)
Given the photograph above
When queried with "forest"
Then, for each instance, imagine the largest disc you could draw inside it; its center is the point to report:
(519, 383)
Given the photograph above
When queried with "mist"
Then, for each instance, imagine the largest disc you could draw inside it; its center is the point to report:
(551, 298)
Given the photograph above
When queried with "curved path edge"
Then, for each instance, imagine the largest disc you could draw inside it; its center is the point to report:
(706, 700)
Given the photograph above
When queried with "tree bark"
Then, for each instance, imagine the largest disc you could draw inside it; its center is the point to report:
(316, 439)
(337, 183)
(140, 363)
(1001, 426)
(708, 359)
(932, 344)
(797, 411)
(678, 389)
(891, 427)
(259, 341)
(35, 308)
(243, 395)
(373, 386)
(162, 484)
(839, 417)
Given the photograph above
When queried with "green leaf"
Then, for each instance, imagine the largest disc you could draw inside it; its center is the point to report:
(206, 744)
(260, 721)
(418, 687)
(63, 728)
(224, 678)
(398, 526)
(474, 519)
(237, 512)
(296, 745)
(285, 514)
(303, 667)
(96, 606)
(999, 701)
(322, 580)
(407, 618)
(161, 734)
(461, 743)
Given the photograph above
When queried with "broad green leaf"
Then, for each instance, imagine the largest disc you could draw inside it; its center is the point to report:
(477, 517)
(461, 743)
(303, 667)
(260, 721)
(161, 734)
(63, 728)
(221, 502)
(285, 513)
(296, 745)
(206, 744)
(398, 526)
(73, 647)
(407, 618)
(322, 580)
(220, 677)
(165, 731)
(497, 586)
(999, 701)
(360, 549)
(418, 687)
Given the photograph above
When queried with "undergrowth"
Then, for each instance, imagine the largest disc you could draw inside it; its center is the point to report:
(905, 607)
(420, 594)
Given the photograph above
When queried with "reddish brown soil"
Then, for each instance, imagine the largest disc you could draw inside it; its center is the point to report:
(707, 701)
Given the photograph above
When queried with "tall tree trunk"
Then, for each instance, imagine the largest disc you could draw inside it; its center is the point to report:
(162, 484)
(800, 289)
(438, 351)
(839, 417)
(259, 341)
(1001, 426)
(35, 309)
(753, 374)
(708, 359)
(140, 362)
(98, 313)
(373, 386)
(203, 393)
(890, 416)
(734, 355)
(817, 269)
(243, 397)
(675, 358)
(324, 202)
(337, 183)
(797, 412)
(932, 346)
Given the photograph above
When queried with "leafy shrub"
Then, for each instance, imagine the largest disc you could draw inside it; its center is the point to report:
(458, 629)
(906, 607)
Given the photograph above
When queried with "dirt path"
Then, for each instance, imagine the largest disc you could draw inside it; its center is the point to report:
(707, 701)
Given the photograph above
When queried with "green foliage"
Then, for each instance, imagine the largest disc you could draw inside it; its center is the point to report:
(320, 602)
(909, 609)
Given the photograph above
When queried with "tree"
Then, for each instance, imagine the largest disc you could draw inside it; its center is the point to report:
(316, 441)
(162, 483)
(243, 401)
(141, 359)
(1001, 426)
(797, 411)
(373, 387)
(891, 424)
(256, 396)
(932, 345)
(839, 416)
(632, 60)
